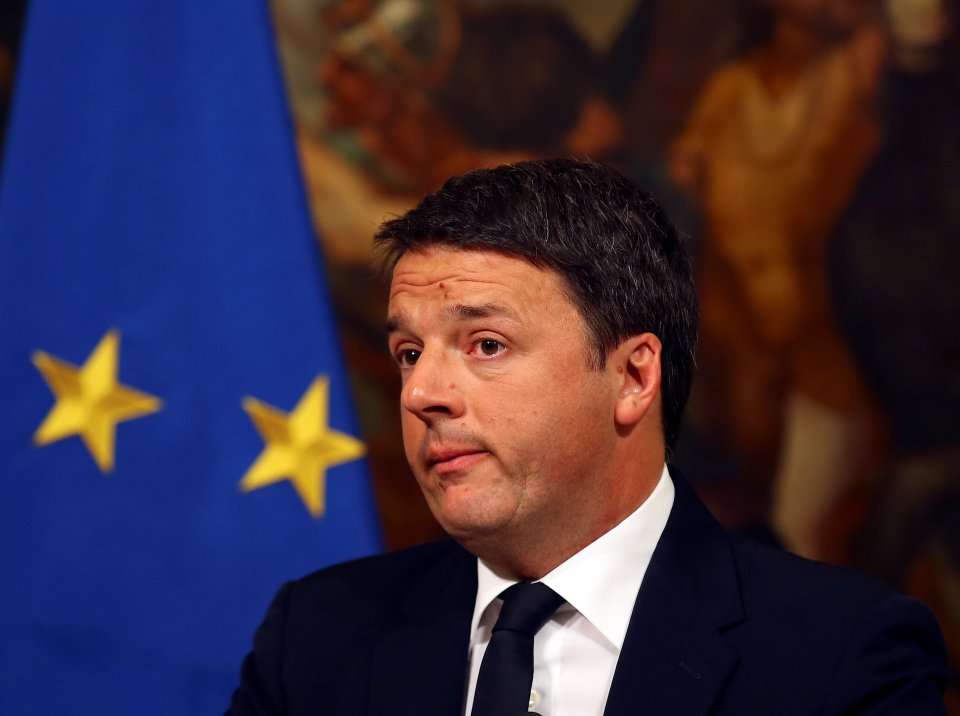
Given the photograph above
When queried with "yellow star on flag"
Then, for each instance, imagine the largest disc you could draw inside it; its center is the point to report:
(90, 401)
(299, 447)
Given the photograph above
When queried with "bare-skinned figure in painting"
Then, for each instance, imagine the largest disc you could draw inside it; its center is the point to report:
(894, 265)
(772, 152)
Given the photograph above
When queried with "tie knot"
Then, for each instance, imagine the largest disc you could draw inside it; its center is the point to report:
(526, 607)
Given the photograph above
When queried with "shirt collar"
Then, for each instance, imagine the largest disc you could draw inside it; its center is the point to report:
(600, 581)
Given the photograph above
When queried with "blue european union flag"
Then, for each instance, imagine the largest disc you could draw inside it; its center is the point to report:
(176, 437)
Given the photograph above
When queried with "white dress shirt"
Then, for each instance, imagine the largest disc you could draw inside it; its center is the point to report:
(576, 651)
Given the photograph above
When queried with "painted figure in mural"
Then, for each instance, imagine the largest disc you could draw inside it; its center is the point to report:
(772, 152)
(894, 262)
(430, 89)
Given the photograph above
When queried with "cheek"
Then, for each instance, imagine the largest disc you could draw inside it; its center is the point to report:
(577, 421)
(412, 429)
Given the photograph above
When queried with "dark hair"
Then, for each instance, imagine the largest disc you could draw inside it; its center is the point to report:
(756, 23)
(621, 258)
(519, 79)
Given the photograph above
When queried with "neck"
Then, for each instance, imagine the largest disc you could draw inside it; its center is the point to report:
(917, 59)
(794, 44)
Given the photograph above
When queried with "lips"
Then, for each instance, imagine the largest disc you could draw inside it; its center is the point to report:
(447, 461)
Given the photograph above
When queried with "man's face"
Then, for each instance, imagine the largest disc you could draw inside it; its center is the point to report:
(508, 429)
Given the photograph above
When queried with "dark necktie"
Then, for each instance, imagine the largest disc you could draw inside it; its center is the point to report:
(506, 672)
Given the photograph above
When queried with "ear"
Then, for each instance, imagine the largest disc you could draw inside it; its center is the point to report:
(638, 369)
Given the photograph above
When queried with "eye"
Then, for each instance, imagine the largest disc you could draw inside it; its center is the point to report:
(488, 347)
(408, 358)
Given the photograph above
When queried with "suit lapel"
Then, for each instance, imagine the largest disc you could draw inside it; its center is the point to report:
(674, 658)
(420, 666)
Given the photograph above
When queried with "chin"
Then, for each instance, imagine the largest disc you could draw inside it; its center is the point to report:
(472, 509)
(468, 527)
(462, 527)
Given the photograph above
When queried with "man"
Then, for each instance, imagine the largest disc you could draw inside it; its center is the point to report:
(543, 319)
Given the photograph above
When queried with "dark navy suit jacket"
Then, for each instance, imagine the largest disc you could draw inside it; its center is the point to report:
(719, 627)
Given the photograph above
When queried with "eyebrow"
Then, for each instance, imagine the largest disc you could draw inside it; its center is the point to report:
(484, 310)
(462, 311)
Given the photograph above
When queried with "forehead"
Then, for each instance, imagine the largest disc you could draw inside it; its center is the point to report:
(444, 273)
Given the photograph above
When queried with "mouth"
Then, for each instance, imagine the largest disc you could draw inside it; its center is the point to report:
(446, 462)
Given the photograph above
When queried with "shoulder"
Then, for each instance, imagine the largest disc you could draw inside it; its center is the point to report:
(380, 579)
(316, 643)
(807, 637)
(754, 581)
(766, 572)
(390, 565)
(840, 635)
(821, 601)
(720, 94)
(730, 79)
(360, 596)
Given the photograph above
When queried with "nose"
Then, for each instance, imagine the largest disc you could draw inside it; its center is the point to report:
(430, 388)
